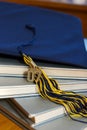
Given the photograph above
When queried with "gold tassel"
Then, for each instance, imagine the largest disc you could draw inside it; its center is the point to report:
(75, 104)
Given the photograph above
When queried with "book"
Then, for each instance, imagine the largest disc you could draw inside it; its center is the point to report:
(73, 85)
(38, 109)
(19, 86)
(15, 87)
(9, 110)
(18, 118)
(63, 123)
(13, 66)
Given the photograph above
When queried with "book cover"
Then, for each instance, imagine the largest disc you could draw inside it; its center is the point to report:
(19, 86)
(38, 109)
(16, 87)
(63, 123)
(12, 66)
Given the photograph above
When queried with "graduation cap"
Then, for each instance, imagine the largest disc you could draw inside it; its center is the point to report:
(42, 34)
(45, 35)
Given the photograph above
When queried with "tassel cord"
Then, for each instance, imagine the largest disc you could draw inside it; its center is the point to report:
(75, 104)
(72, 103)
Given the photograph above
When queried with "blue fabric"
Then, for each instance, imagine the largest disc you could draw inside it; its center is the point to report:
(49, 35)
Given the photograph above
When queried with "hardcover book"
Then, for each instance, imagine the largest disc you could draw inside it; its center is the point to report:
(63, 123)
(37, 109)
(12, 66)
(42, 112)
(19, 86)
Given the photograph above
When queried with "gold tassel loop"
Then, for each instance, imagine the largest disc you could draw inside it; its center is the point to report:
(34, 74)
(75, 104)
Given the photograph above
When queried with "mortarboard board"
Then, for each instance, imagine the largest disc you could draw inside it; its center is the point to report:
(45, 35)
(42, 34)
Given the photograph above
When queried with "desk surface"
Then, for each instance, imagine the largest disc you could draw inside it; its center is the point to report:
(6, 124)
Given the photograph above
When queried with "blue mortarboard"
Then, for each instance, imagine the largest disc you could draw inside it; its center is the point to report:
(41, 33)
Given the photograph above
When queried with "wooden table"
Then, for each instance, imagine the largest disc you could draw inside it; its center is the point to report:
(6, 124)
(75, 7)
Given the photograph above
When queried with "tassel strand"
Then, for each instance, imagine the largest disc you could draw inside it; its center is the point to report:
(75, 104)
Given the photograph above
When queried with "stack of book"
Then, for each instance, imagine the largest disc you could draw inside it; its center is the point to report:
(21, 103)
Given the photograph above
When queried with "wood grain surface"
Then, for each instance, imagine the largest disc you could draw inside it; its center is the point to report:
(6, 124)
